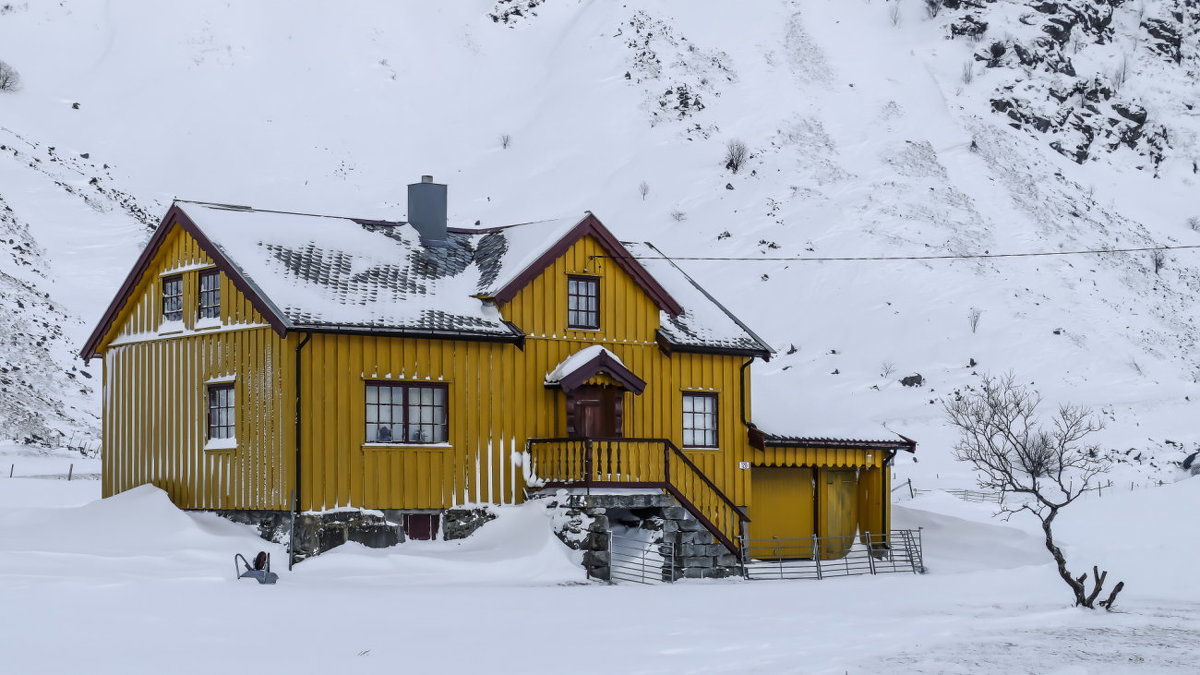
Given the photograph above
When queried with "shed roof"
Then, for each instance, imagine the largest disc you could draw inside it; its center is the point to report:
(314, 272)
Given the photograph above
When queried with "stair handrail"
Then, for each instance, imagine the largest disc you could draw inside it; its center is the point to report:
(671, 486)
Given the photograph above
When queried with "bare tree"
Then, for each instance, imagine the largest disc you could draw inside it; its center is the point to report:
(934, 7)
(894, 12)
(643, 189)
(1002, 436)
(1158, 259)
(10, 79)
(973, 317)
(736, 154)
(886, 369)
(505, 140)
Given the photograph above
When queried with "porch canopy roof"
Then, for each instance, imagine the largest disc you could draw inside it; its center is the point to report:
(589, 362)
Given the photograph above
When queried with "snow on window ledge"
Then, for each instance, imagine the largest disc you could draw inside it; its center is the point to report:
(169, 327)
(220, 379)
(399, 445)
(221, 444)
(208, 323)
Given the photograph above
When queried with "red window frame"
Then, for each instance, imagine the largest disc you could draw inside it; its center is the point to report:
(222, 411)
(583, 302)
(407, 413)
(172, 297)
(209, 305)
(700, 417)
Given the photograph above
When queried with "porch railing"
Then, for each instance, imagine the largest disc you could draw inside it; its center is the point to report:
(636, 463)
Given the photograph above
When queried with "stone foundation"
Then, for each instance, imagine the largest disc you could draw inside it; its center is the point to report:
(320, 532)
(583, 522)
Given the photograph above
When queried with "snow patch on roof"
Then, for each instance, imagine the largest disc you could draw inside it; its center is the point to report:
(704, 322)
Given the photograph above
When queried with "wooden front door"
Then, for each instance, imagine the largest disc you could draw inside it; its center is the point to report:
(839, 511)
(595, 412)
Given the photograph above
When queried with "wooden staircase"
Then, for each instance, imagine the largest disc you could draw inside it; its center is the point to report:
(601, 463)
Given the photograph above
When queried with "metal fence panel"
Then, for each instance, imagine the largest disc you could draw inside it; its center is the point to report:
(820, 557)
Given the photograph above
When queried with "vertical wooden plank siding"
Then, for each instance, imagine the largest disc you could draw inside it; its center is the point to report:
(156, 395)
(497, 398)
(155, 400)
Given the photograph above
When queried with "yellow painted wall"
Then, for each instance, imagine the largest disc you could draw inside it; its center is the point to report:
(155, 396)
(155, 400)
(498, 398)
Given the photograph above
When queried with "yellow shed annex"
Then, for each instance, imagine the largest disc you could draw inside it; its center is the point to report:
(309, 371)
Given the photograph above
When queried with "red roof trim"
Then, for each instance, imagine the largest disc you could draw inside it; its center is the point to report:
(176, 216)
(603, 363)
(591, 225)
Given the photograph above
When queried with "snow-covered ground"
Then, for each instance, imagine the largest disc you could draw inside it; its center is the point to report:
(866, 138)
(133, 585)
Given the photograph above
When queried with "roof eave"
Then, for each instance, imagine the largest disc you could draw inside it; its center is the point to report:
(669, 347)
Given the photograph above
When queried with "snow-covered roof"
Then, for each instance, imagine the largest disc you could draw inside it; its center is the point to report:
(577, 360)
(318, 272)
(704, 323)
(322, 271)
(589, 362)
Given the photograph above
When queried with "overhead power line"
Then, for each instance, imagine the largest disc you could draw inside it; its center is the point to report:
(948, 256)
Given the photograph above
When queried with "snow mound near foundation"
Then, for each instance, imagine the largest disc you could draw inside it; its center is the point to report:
(518, 547)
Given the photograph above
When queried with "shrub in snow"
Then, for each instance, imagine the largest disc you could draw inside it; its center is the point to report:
(1194, 223)
(934, 7)
(1046, 467)
(973, 318)
(10, 79)
(736, 155)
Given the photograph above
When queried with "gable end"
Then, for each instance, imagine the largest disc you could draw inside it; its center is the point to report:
(591, 225)
(176, 216)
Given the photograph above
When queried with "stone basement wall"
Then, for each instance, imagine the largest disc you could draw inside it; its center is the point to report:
(320, 532)
(583, 522)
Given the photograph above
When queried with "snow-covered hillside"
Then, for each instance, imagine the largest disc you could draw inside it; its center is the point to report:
(873, 129)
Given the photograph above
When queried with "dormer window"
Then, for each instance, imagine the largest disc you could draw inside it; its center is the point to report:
(583, 302)
(172, 298)
(210, 294)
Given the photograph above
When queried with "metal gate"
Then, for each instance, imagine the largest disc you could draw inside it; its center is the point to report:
(816, 557)
(640, 561)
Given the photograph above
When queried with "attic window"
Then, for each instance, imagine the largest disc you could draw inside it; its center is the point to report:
(172, 298)
(210, 294)
(583, 302)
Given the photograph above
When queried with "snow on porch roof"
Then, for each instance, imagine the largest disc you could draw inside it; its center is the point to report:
(589, 362)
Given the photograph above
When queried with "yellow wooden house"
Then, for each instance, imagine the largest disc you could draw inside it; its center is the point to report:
(277, 362)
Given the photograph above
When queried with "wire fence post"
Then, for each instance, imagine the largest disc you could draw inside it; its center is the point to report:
(910, 490)
(817, 555)
(70, 472)
(870, 552)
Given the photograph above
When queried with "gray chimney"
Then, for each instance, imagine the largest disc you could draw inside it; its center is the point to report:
(427, 209)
